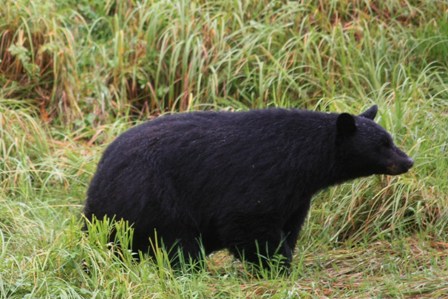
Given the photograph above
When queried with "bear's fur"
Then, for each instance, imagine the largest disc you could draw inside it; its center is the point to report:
(236, 180)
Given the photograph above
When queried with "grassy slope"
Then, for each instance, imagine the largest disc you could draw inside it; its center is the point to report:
(74, 74)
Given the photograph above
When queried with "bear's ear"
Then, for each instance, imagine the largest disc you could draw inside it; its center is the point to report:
(370, 113)
(346, 124)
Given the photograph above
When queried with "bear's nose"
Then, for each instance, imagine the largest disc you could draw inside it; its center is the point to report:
(409, 163)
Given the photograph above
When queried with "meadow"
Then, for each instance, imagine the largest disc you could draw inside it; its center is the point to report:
(75, 74)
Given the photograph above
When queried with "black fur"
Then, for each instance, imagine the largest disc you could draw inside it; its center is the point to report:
(236, 180)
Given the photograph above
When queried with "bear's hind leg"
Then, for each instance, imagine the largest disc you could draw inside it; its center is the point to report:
(184, 248)
(262, 250)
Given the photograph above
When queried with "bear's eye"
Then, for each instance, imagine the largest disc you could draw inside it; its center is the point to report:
(386, 143)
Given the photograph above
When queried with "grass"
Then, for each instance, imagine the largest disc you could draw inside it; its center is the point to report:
(75, 74)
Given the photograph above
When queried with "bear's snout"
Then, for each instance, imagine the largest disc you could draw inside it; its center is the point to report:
(409, 163)
(400, 167)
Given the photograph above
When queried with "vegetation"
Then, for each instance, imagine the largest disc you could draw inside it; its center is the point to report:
(74, 74)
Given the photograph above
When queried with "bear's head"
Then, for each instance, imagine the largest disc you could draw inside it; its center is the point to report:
(365, 148)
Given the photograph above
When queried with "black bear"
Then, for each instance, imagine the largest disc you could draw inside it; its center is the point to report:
(236, 180)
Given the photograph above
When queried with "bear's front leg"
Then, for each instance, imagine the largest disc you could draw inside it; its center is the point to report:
(294, 224)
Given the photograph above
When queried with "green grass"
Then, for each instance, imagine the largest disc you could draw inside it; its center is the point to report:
(75, 74)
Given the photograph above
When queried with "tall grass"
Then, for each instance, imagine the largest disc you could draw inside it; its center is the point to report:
(75, 74)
